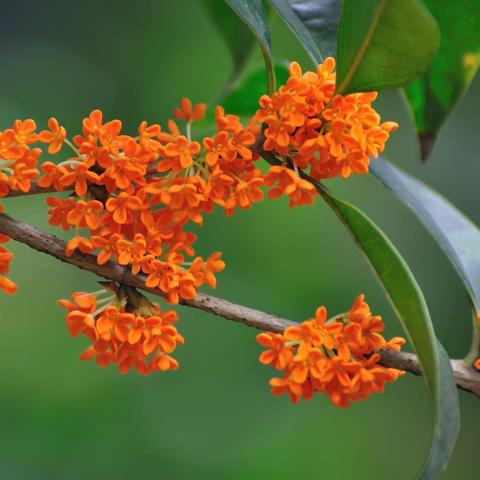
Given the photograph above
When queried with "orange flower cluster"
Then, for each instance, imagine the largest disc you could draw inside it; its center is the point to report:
(336, 356)
(6, 285)
(135, 195)
(125, 329)
(18, 161)
(312, 128)
(134, 198)
(18, 168)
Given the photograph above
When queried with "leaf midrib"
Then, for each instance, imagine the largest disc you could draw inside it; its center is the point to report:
(363, 48)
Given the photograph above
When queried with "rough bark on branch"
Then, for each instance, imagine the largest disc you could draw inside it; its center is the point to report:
(466, 378)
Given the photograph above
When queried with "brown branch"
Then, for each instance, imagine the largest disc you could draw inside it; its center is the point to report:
(466, 378)
(35, 189)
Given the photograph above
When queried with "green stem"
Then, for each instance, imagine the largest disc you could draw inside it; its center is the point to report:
(271, 80)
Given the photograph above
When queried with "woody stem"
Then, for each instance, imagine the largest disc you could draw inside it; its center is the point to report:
(466, 378)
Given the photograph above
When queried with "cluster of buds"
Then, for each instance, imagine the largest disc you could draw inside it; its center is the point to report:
(125, 329)
(133, 199)
(336, 356)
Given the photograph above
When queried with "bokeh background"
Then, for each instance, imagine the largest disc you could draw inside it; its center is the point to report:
(215, 417)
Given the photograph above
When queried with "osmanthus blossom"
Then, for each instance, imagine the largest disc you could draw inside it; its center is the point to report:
(134, 197)
(336, 356)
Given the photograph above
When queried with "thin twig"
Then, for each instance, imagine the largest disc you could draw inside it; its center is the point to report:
(36, 189)
(466, 378)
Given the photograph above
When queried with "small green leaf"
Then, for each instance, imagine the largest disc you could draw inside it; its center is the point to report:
(409, 304)
(433, 96)
(383, 44)
(456, 235)
(243, 97)
(237, 35)
(252, 13)
(314, 23)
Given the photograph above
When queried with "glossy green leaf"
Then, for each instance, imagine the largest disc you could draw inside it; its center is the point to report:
(383, 44)
(314, 23)
(409, 304)
(243, 97)
(458, 237)
(237, 35)
(252, 13)
(432, 96)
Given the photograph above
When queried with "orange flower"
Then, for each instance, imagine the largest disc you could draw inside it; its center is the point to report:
(175, 282)
(52, 175)
(230, 123)
(205, 271)
(248, 192)
(9, 148)
(107, 246)
(213, 265)
(86, 214)
(277, 355)
(219, 148)
(6, 285)
(300, 191)
(123, 171)
(5, 260)
(187, 113)
(54, 136)
(181, 152)
(93, 125)
(295, 390)
(61, 207)
(24, 131)
(129, 252)
(23, 174)
(81, 243)
(79, 177)
(305, 336)
(364, 329)
(147, 135)
(123, 206)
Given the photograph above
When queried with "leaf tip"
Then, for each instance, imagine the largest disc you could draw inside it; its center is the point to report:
(426, 141)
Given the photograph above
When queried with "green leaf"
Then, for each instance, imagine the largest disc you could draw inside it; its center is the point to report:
(433, 96)
(237, 35)
(252, 13)
(243, 97)
(447, 421)
(409, 304)
(456, 235)
(314, 23)
(383, 44)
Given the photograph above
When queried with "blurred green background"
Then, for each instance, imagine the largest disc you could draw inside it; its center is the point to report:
(215, 417)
